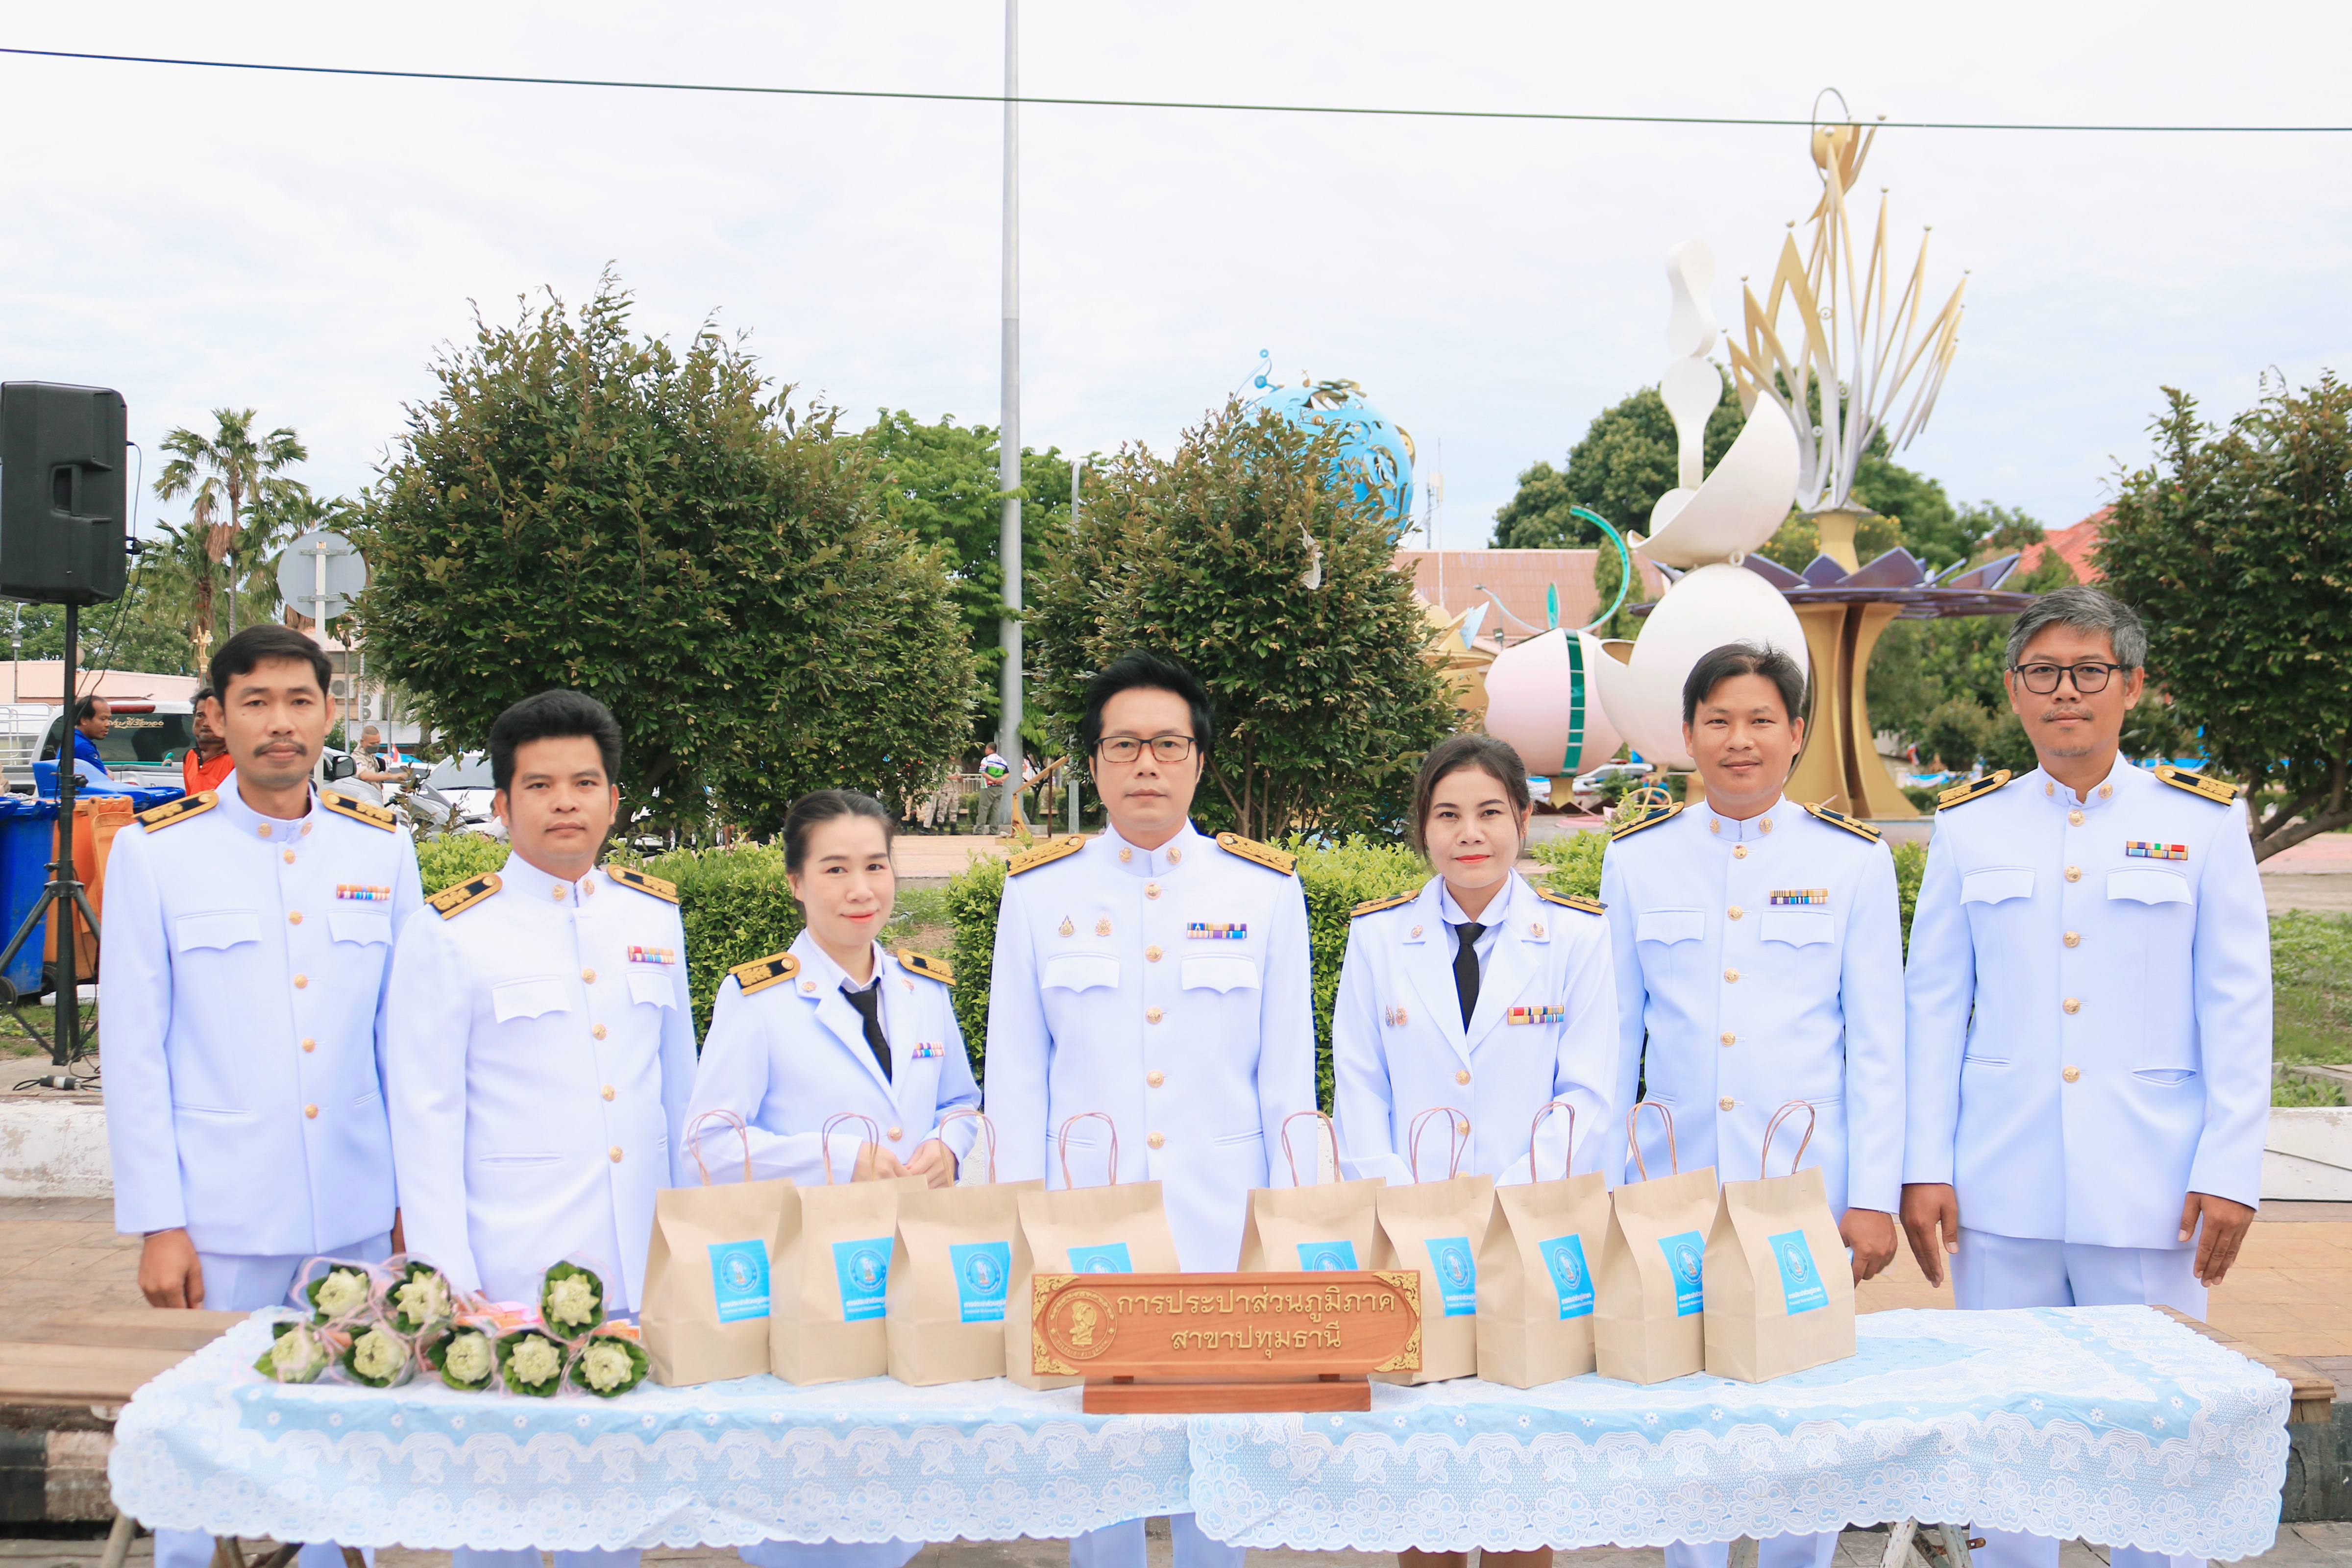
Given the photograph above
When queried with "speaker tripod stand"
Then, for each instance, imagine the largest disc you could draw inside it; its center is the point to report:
(64, 893)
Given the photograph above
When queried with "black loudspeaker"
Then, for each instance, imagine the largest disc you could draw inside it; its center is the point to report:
(64, 490)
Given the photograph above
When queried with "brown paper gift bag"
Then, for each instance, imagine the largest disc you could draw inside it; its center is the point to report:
(1325, 1225)
(1535, 1273)
(1649, 1319)
(705, 1314)
(1438, 1228)
(949, 1274)
(1109, 1229)
(832, 1255)
(1780, 1288)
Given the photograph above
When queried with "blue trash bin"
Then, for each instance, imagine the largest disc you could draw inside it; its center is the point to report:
(28, 830)
(146, 797)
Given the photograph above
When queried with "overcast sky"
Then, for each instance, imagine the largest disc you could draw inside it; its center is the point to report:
(304, 246)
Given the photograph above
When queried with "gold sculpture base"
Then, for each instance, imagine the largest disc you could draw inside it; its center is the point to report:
(1840, 766)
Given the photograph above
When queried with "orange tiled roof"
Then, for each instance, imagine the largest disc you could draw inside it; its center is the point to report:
(2073, 545)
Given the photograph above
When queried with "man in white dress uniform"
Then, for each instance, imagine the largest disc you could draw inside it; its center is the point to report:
(1160, 976)
(2090, 1012)
(1759, 961)
(248, 936)
(542, 1043)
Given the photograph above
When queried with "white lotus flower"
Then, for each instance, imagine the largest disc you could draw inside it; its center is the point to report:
(423, 1299)
(606, 1366)
(571, 1299)
(534, 1360)
(297, 1354)
(342, 1292)
(468, 1357)
(378, 1354)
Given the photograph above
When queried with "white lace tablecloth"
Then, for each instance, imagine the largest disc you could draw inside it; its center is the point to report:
(2111, 1423)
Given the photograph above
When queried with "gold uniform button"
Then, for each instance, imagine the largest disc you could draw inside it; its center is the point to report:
(2074, 817)
(1151, 1014)
(808, 988)
(1739, 852)
(1175, 856)
(262, 828)
(557, 894)
(2105, 790)
(598, 1031)
(589, 975)
(895, 1133)
(2071, 1004)
(301, 983)
(1150, 889)
(1462, 1075)
(1725, 1103)
(290, 856)
(608, 1091)
(1152, 955)
(1731, 975)
(306, 830)
(2072, 1074)
(2074, 873)
(614, 1154)
(1735, 911)
(2074, 939)
(1463, 1128)
(309, 1045)
(1729, 1037)
(294, 917)
(1155, 1078)
(1126, 854)
(1766, 825)
(311, 1111)
(1157, 1140)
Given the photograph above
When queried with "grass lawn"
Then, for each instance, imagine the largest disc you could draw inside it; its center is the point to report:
(2311, 976)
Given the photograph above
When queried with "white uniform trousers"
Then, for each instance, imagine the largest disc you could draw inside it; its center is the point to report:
(1774, 1551)
(830, 1554)
(1120, 1545)
(1994, 1272)
(238, 1284)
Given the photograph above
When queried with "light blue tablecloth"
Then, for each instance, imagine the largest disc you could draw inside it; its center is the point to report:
(2110, 1423)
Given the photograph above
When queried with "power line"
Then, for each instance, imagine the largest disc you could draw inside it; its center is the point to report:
(1000, 99)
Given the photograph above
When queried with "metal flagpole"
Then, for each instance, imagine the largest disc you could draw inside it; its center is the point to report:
(1008, 435)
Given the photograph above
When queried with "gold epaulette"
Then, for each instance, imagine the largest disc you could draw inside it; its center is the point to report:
(762, 972)
(630, 877)
(1265, 855)
(924, 965)
(456, 900)
(1576, 901)
(1374, 906)
(1648, 819)
(1960, 794)
(1840, 819)
(1044, 854)
(2214, 790)
(179, 810)
(361, 811)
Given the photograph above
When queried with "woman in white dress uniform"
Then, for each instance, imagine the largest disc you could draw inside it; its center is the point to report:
(835, 1024)
(1479, 993)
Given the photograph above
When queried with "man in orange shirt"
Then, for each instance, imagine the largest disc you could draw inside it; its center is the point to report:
(205, 763)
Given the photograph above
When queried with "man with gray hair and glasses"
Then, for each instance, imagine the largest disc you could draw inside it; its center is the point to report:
(2089, 1030)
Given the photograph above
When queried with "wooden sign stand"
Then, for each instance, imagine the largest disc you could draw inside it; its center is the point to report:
(1181, 1343)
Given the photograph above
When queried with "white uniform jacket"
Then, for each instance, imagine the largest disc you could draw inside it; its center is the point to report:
(1545, 1027)
(2090, 1001)
(786, 1051)
(541, 1055)
(1762, 961)
(1168, 988)
(243, 994)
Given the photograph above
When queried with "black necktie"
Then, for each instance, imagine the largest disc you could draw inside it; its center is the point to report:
(869, 1002)
(1465, 967)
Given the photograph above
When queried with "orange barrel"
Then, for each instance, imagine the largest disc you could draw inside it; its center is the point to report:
(97, 820)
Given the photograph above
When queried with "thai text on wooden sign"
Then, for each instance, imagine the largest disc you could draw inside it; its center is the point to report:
(1225, 1326)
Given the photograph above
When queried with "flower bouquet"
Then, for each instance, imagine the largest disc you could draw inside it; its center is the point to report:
(378, 1356)
(531, 1361)
(337, 1292)
(610, 1364)
(418, 1296)
(572, 1301)
(298, 1353)
(464, 1353)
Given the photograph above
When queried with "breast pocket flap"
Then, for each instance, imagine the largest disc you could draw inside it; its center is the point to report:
(528, 999)
(2148, 884)
(1079, 972)
(1799, 928)
(1670, 925)
(360, 925)
(652, 987)
(1997, 884)
(215, 928)
(1219, 972)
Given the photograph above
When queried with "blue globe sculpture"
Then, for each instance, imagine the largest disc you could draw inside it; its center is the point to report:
(1378, 452)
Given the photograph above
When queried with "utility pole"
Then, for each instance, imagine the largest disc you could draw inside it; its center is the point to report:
(1008, 434)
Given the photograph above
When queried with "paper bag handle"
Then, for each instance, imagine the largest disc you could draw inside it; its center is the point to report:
(1457, 1128)
(1567, 1166)
(987, 1128)
(694, 1139)
(1812, 1117)
(1673, 1153)
(1329, 1132)
(1063, 1140)
(824, 1137)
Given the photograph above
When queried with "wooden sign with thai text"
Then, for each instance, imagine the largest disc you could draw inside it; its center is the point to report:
(1226, 1341)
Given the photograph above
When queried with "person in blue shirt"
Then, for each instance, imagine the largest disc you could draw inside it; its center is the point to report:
(92, 719)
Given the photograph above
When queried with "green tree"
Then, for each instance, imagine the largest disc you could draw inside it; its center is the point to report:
(1324, 704)
(662, 530)
(226, 474)
(2236, 546)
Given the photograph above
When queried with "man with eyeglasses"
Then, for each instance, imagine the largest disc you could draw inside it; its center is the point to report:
(2089, 1000)
(1158, 975)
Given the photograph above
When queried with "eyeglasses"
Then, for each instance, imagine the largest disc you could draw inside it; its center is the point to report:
(2089, 679)
(1164, 747)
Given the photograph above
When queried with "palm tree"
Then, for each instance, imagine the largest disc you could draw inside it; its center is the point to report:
(230, 470)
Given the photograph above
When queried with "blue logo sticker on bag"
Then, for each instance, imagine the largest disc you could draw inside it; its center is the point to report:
(1687, 1256)
(1564, 1256)
(739, 1279)
(1801, 1281)
(1458, 1273)
(1108, 1259)
(981, 1268)
(1322, 1254)
(864, 1270)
